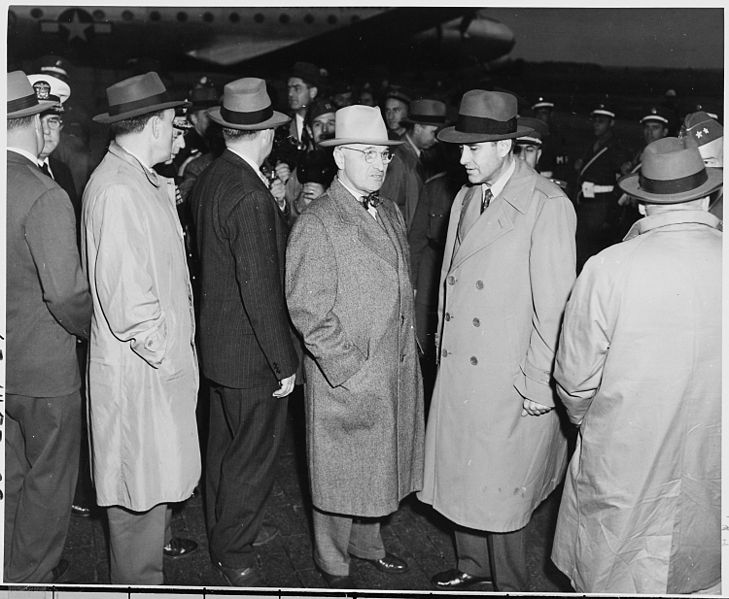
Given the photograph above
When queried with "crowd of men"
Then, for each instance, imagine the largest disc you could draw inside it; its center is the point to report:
(455, 293)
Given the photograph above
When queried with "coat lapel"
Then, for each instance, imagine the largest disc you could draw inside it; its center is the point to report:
(364, 228)
(498, 220)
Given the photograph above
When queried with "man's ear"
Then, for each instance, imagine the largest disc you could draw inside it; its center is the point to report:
(339, 157)
(313, 91)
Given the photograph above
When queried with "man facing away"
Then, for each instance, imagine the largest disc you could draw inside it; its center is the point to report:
(493, 447)
(639, 371)
(248, 346)
(349, 295)
(48, 305)
(143, 377)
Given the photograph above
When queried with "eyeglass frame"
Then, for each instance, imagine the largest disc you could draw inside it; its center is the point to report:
(52, 124)
(370, 153)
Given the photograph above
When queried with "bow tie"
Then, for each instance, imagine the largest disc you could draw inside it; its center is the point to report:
(372, 199)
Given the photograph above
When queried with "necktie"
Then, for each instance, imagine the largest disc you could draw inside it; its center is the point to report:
(46, 171)
(486, 199)
(372, 199)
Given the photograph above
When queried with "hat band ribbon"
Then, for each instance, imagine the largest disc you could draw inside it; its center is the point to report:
(429, 118)
(478, 124)
(673, 185)
(246, 118)
(22, 103)
(161, 98)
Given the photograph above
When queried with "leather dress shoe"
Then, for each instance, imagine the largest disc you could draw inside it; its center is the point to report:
(337, 582)
(59, 570)
(241, 577)
(456, 580)
(267, 533)
(390, 564)
(177, 547)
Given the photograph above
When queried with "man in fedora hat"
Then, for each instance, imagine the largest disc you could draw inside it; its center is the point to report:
(48, 306)
(406, 174)
(248, 347)
(493, 446)
(142, 375)
(349, 295)
(639, 371)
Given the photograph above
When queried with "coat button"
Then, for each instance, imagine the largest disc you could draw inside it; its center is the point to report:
(447, 316)
(444, 353)
(479, 284)
(451, 280)
(476, 322)
(474, 360)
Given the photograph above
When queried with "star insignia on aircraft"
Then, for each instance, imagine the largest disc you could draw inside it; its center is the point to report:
(76, 27)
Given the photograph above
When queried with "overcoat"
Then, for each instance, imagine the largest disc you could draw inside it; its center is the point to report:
(639, 369)
(142, 376)
(503, 292)
(349, 294)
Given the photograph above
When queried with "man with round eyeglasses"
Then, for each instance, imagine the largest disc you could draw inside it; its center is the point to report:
(349, 295)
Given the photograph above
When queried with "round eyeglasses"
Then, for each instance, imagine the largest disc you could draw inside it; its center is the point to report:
(53, 122)
(370, 154)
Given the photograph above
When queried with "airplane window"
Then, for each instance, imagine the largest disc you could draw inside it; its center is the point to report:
(127, 15)
(208, 17)
(284, 18)
(258, 17)
(36, 13)
(182, 16)
(234, 17)
(155, 16)
(332, 19)
(309, 18)
(99, 15)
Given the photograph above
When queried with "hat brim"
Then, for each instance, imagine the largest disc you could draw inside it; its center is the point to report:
(451, 135)
(277, 119)
(42, 106)
(365, 142)
(106, 118)
(630, 185)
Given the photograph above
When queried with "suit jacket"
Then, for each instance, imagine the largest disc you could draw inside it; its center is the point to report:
(404, 181)
(502, 295)
(62, 175)
(48, 301)
(246, 337)
(349, 292)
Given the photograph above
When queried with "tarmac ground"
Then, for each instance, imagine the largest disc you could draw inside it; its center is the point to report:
(415, 532)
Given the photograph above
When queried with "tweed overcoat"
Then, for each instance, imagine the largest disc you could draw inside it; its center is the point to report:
(142, 375)
(639, 369)
(503, 292)
(349, 294)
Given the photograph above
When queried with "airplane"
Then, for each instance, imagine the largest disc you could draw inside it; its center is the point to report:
(225, 37)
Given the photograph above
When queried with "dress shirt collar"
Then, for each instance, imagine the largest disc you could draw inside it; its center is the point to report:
(358, 197)
(500, 183)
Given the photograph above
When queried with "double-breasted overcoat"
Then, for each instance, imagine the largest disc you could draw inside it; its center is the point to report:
(503, 292)
(349, 294)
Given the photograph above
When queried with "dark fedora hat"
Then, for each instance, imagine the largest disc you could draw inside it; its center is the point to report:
(307, 72)
(22, 99)
(484, 116)
(136, 96)
(247, 106)
(671, 172)
(426, 112)
(203, 95)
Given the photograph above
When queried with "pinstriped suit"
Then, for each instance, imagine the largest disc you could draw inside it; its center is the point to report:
(247, 345)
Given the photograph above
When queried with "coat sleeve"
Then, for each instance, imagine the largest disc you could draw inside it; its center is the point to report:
(552, 274)
(251, 234)
(50, 232)
(585, 339)
(311, 290)
(124, 278)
